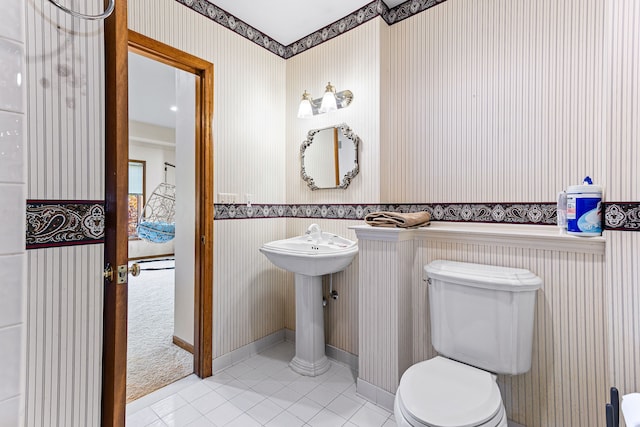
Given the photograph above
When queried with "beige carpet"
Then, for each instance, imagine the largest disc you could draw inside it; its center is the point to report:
(153, 361)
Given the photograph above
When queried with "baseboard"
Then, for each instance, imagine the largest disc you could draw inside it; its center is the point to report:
(289, 335)
(183, 344)
(138, 258)
(251, 349)
(335, 353)
(375, 394)
(344, 357)
(246, 351)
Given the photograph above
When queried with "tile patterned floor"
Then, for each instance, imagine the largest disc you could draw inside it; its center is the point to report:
(260, 391)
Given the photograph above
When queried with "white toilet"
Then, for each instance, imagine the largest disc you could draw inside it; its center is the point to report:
(482, 325)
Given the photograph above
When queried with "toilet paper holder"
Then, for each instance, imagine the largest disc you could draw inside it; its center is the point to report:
(613, 408)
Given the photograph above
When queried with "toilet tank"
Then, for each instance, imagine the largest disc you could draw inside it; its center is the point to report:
(483, 315)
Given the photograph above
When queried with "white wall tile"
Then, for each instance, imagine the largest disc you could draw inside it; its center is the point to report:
(11, 289)
(11, 22)
(11, 413)
(11, 76)
(11, 148)
(12, 207)
(11, 366)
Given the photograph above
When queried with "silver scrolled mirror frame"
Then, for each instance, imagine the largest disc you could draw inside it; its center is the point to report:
(349, 175)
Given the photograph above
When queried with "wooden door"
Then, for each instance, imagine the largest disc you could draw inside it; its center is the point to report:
(118, 40)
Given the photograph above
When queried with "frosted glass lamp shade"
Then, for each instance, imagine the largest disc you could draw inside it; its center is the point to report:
(329, 102)
(305, 110)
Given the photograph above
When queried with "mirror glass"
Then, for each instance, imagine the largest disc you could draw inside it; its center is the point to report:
(329, 157)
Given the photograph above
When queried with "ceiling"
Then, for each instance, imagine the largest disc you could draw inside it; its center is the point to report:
(152, 91)
(287, 21)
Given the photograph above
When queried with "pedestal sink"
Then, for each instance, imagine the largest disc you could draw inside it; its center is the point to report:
(309, 257)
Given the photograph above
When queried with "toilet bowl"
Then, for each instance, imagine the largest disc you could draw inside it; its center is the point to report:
(481, 322)
(444, 393)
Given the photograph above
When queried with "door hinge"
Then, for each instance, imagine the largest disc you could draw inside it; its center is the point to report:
(108, 273)
(203, 239)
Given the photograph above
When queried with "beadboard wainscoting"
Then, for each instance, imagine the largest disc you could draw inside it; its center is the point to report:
(570, 360)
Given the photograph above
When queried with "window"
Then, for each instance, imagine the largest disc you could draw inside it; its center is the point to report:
(137, 178)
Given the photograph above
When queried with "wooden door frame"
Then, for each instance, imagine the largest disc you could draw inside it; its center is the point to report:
(118, 39)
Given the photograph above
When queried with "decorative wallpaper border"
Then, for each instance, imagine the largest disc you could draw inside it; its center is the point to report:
(510, 213)
(52, 223)
(349, 22)
(622, 216)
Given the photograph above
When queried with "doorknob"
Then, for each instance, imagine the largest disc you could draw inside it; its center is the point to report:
(134, 270)
(123, 270)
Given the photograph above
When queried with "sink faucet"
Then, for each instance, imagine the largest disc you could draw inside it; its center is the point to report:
(315, 231)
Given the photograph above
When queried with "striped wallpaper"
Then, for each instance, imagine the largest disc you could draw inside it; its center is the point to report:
(352, 62)
(623, 156)
(64, 336)
(249, 83)
(65, 161)
(496, 101)
(468, 102)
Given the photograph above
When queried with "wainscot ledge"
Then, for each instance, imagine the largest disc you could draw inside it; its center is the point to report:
(514, 235)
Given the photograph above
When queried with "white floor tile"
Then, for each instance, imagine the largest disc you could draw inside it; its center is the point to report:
(224, 414)
(208, 402)
(302, 387)
(247, 400)
(326, 418)
(244, 420)
(390, 423)
(142, 418)
(286, 419)
(201, 422)
(158, 423)
(305, 409)
(322, 395)
(217, 380)
(238, 369)
(194, 391)
(260, 391)
(232, 389)
(285, 397)
(265, 411)
(368, 417)
(182, 416)
(345, 406)
(268, 387)
(168, 405)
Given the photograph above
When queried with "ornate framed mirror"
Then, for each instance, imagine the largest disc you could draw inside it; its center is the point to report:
(329, 157)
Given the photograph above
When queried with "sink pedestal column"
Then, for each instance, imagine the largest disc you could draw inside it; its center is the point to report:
(310, 359)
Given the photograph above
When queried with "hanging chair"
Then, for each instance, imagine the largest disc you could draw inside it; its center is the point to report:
(157, 222)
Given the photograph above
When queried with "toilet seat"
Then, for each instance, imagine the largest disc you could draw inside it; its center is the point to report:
(444, 393)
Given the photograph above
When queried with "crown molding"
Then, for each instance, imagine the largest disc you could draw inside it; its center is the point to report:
(353, 20)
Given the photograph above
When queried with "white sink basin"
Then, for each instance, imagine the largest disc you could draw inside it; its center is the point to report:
(310, 256)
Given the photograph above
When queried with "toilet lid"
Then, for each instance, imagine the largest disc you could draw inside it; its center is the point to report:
(444, 393)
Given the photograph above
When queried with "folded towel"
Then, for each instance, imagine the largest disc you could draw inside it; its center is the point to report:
(398, 219)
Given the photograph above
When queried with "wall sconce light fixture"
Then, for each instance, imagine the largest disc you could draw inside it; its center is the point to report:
(331, 101)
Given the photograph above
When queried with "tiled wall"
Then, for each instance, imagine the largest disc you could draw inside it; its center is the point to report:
(65, 162)
(12, 201)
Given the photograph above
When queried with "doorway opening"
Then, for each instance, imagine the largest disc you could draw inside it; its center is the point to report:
(195, 248)
(160, 223)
